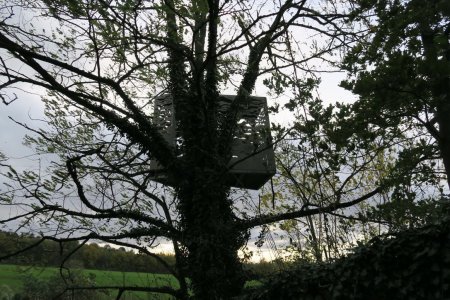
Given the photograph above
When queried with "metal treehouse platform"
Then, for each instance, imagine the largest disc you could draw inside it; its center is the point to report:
(252, 163)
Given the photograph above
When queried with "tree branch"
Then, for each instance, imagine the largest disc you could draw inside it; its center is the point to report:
(267, 219)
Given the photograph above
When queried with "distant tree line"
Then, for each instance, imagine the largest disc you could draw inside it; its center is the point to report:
(89, 256)
(93, 256)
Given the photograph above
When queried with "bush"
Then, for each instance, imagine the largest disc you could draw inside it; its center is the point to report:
(411, 265)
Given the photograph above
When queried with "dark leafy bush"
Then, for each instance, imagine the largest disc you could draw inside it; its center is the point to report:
(410, 265)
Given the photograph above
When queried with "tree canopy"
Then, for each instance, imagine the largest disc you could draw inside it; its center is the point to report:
(400, 71)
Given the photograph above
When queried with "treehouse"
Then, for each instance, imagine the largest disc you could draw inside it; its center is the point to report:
(252, 163)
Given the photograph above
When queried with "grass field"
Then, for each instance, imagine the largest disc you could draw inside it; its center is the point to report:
(11, 279)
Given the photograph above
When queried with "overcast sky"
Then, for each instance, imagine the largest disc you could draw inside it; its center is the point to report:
(26, 109)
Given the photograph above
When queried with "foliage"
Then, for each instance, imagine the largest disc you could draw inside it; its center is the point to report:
(400, 71)
(305, 179)
(328, 161)
(325, 165)
(393, 138)
(413, 264)
(401, 214)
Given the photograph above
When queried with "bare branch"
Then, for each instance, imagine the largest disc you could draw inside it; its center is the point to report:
(267, 219)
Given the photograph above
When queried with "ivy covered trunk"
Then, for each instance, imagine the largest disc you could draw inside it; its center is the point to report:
(209, 229)
(444, 142)
(442, 94)
(210, 236)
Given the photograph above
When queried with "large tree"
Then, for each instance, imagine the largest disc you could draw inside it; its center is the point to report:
(399, 125)
(401, 72)
(102, 65)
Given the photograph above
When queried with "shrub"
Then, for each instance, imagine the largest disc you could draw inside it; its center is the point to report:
(413, 265)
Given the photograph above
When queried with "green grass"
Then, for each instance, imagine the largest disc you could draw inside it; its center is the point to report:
(11, 276)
